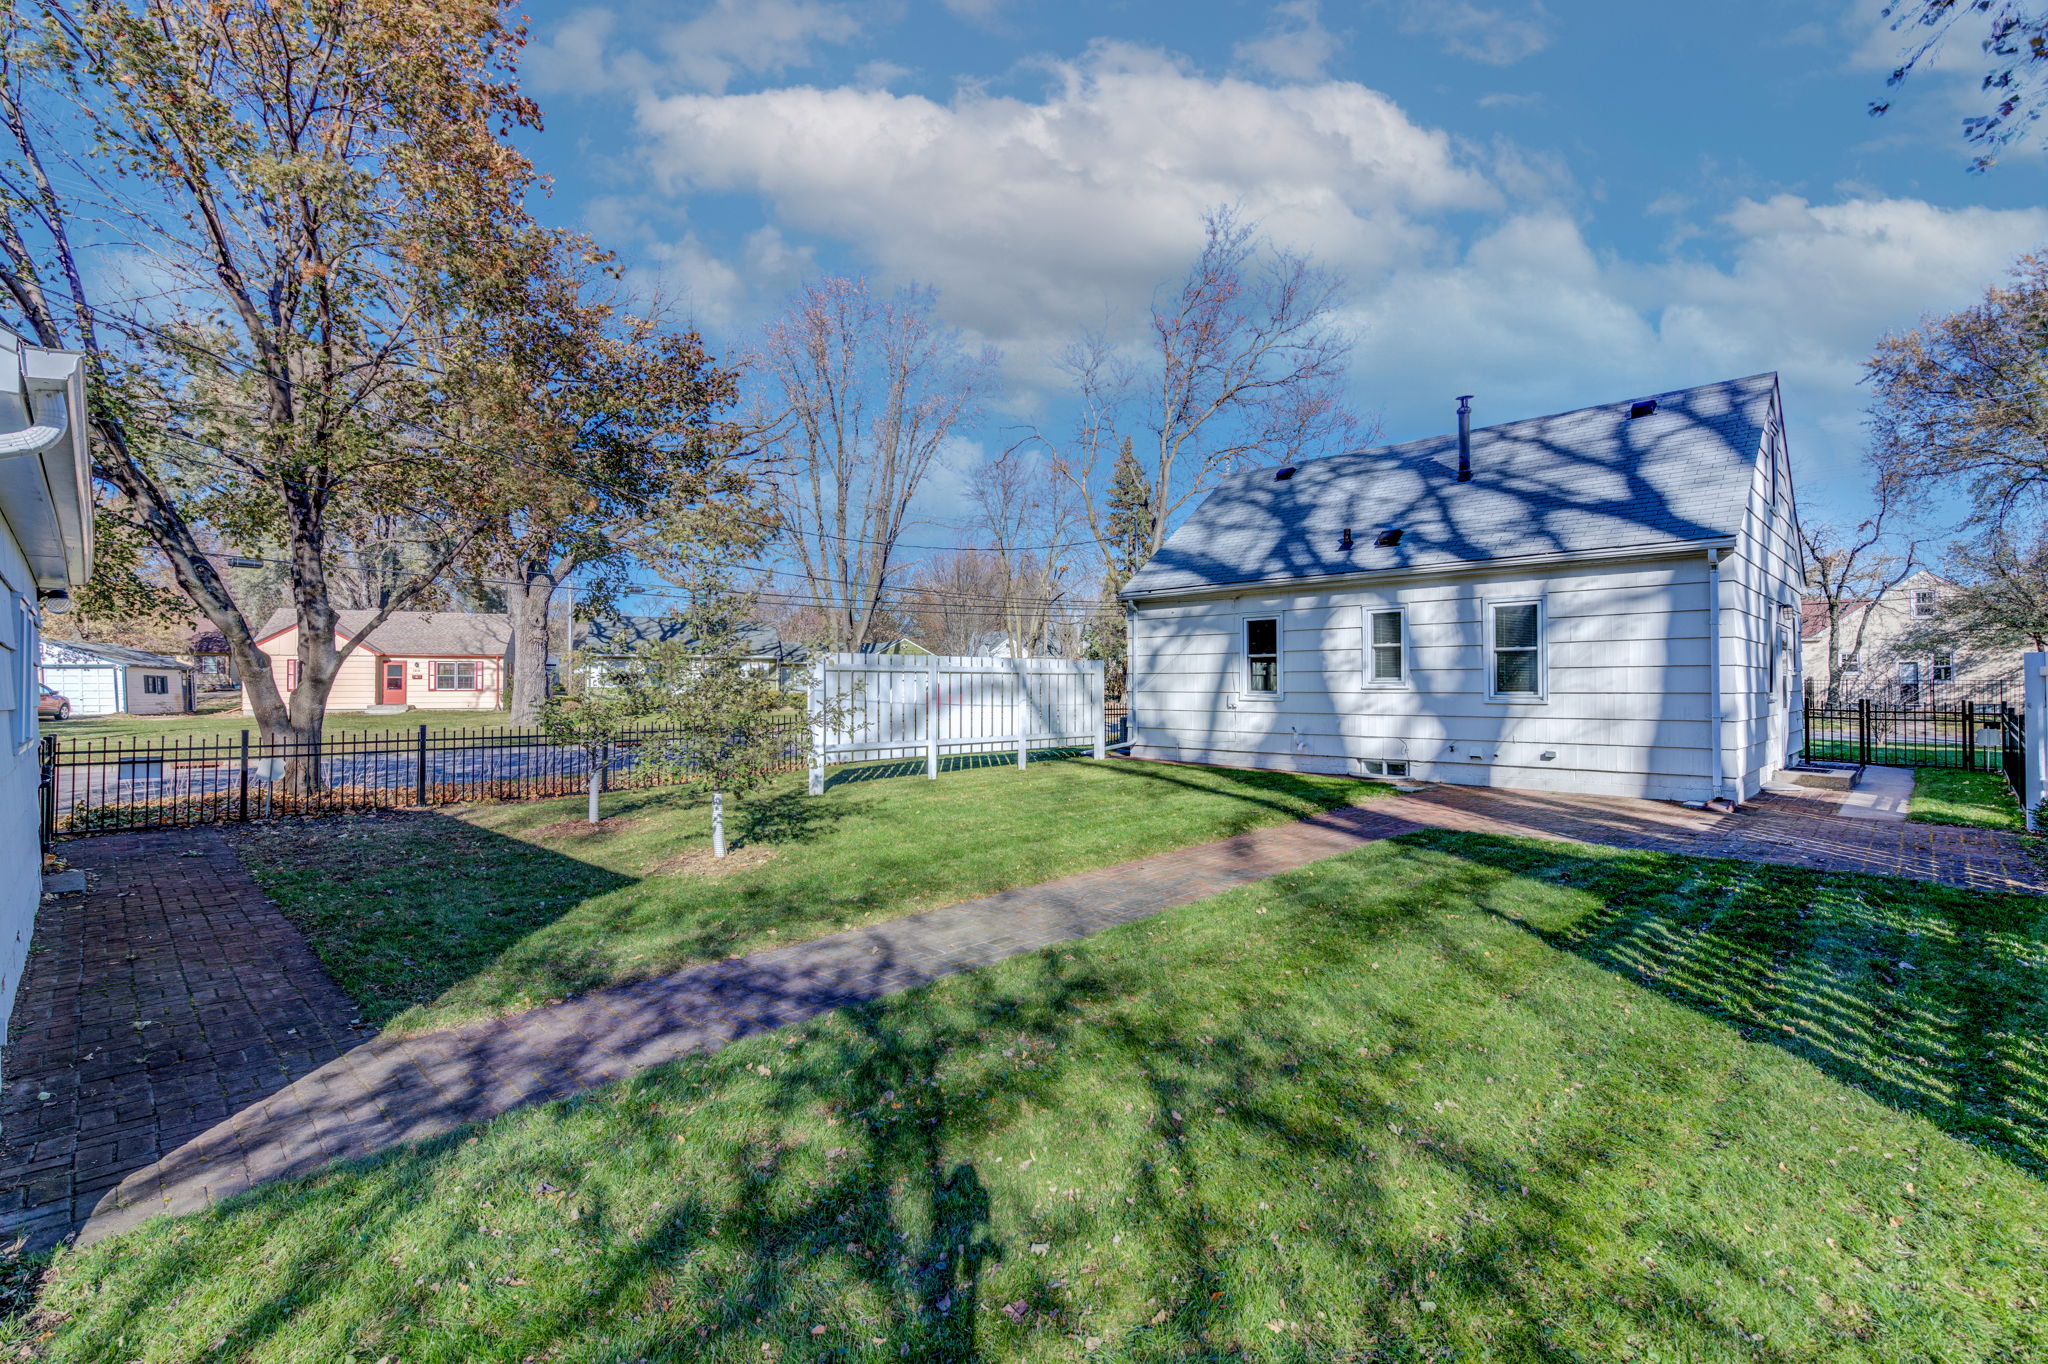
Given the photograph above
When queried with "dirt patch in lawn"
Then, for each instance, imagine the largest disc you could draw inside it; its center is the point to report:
(583, 828)
(700, 862)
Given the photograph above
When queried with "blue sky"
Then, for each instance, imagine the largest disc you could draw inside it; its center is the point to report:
(1547, 205)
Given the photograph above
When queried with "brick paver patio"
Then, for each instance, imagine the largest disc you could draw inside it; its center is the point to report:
(343, 1102)
(167, 998)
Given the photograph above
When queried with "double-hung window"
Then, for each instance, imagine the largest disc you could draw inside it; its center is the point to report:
(1923, 603)
(1514, 649)
(156, 684)
(1944, 666)
(1262, 656)
(455, 674)
(1386, 648)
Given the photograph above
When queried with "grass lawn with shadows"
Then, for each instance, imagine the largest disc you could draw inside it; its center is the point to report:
(1947, 795)
(427, 920)
(1445, 1097)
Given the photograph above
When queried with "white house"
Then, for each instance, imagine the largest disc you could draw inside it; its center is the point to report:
(113, 679)
(1602, 601)
(45, 554)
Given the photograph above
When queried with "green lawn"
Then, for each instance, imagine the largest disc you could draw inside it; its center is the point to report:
(227, 724)
(432, 919)
(1449, 1098)
(1951, 796)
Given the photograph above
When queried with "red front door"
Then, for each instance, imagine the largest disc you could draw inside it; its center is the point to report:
(394, 684)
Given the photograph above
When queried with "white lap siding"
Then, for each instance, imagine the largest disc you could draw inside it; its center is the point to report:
(1626, 712)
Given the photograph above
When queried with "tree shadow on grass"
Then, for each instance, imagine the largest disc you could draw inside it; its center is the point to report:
(854, 774)
(1926, 998)
(857, 1187)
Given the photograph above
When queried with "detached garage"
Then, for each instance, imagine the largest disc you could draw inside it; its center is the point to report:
(112, 679)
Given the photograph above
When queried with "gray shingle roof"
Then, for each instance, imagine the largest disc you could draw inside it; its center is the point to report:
(626, 634)
(115, 653)
(1571, 483)
(464, 633)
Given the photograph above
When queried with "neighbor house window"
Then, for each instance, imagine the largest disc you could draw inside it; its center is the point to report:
(156, 684)
(1387, 643)
(1262, 655)
(291, 674)
(1515, 647)
(1944, 667)
(455, 674)
(1909, 683)
(1923, 603)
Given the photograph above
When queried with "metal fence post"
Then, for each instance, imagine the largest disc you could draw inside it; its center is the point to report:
(1863, 731)
(1969, 710)
(420, 784)
(242, 802)
(47, 782)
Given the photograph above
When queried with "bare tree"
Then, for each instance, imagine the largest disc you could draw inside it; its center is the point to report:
(1246, 364)
(870, 390)
(1029, 514)
(951, 601)
(1851, 568)
(2014, 39)
(2000, 598)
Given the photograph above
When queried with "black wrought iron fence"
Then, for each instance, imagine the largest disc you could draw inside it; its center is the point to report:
(121, 785)
(1971, 735)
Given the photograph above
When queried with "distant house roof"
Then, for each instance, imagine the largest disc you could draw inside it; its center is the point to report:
(107, 653)
(902, 644)
(1576, 482)
(463, 633)
(628, 634)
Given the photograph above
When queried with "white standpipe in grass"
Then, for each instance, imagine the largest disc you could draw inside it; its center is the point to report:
(596, 780)
(718, 823)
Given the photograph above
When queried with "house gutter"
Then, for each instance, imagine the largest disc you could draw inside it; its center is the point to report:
(1366, 577)
(1716, 770)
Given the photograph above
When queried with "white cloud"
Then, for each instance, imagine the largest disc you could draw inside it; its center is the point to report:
(596, 50)
(1497, 37)
(1472, 270)
(1030, 215)
(1295, 47)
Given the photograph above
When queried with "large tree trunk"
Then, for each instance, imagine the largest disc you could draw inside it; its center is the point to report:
(526, 662)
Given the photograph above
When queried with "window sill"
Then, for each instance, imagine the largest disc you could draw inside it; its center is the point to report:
(1518, 700)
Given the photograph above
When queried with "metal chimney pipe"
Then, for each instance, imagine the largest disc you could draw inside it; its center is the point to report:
(1464, 438)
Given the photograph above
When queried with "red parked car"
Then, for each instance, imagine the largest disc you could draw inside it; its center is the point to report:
(53, 705)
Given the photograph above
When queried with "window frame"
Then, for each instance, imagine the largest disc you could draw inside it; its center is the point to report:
(1941, 667)
(455, 664)
(155, 684)
(1852, 664)
(1370, 646)
(26, 679)
(1926, 602)
(1244, 656)
(291, 674)
(1489, 659)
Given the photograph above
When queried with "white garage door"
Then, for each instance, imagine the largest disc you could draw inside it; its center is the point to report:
(91, 689)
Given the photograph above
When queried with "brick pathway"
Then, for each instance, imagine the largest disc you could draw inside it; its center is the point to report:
(393, 1090)
(168, 997)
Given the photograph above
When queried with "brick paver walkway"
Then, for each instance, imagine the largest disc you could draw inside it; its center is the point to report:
(394, 1090)
(169, 997)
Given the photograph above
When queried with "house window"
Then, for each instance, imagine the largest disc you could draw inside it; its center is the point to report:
(22, 675)
(1944, 667)
(1387, 642)
(1923, 603)
(455, 674)
(156, 684)
(1909, 683)
(291, 674)
(1262, 655)
(1852, 663)
(1515, 645)
(1382, 767)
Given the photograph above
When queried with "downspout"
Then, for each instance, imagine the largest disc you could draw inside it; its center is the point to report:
(1130, 677)
(1717, 776)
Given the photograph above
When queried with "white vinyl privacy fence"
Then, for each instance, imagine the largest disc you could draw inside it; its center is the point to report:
(883, 707)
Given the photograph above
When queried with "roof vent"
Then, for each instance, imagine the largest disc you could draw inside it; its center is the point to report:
(1388, 539)
(1345, 543)
(1465, 438)
(1642, 409)
(1282, 474)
